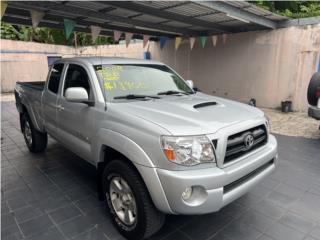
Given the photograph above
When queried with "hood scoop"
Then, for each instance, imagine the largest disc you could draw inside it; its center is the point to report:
(204, 104)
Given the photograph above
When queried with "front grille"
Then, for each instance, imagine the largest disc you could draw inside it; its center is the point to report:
(247, 177)
(237, 147)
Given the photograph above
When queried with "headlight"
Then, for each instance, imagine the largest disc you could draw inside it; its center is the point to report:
(188, 150)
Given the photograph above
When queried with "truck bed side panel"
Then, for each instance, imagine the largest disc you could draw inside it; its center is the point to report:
(29, 96)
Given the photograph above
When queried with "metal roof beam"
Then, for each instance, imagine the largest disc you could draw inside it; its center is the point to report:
(299, 22)
(48, 5)
(238, 13)
(129, 5)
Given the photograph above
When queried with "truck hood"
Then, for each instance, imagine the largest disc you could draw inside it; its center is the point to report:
(191, 114)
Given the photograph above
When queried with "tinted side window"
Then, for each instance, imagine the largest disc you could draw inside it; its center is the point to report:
(77, 77)
(55, 77)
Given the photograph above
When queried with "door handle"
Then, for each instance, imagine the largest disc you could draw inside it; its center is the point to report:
(60, 108)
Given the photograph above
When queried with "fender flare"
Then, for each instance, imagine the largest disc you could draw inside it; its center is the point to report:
(25, 105)
(136, 155)
(120, 143)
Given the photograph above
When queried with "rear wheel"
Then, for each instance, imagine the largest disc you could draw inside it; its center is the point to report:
(36, 141)
(131, 208)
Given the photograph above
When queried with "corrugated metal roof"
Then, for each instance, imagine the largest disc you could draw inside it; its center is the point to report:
(235, 24)
(87, 5)
(64, 14)
(177, 24)
(216, 17)
(158, 17)
(161, 4)
(190, 9)
(123, 12)
(149, 18)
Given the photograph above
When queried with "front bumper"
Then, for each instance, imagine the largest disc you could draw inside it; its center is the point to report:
(314, 112)
(216, 187)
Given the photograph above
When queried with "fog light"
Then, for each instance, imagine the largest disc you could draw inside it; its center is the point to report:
(187, 193)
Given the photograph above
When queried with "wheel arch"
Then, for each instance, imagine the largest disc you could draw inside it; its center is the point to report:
(119, 146)
(107, 154)
(25, 109)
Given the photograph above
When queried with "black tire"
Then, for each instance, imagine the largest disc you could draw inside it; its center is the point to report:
(148, 219)
(313, 85)
(39, 140)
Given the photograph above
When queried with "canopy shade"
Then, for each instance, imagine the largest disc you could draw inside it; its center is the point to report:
(154, 18)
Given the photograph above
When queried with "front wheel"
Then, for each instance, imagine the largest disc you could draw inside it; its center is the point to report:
(36, 141)
(131, 208)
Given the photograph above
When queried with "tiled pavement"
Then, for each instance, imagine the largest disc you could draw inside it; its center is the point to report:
(52, 196)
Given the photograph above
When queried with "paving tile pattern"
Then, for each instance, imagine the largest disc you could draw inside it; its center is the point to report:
(52, 196)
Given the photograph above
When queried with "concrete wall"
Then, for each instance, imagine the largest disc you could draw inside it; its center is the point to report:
(27, 61)
(270, 66)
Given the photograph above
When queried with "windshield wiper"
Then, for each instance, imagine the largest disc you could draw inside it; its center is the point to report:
(135, 96)
(172, 92)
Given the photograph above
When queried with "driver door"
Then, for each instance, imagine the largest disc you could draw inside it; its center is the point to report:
(76, 120)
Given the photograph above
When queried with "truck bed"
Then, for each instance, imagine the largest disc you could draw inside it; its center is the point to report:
(34, 85)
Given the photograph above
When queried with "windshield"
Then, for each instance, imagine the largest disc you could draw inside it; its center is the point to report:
(139, 79)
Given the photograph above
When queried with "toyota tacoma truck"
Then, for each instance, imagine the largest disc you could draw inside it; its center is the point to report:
(159, 146)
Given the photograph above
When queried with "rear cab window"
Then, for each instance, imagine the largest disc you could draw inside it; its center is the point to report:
(55, 78)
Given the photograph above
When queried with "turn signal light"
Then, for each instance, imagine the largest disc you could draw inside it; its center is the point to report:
(170, 154)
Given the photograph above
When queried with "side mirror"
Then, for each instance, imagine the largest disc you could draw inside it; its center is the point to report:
(78, 95)
(190, 83)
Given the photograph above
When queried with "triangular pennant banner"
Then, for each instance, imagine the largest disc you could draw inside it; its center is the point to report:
(145, 40)
(163, 41)
(214, 40)
(203, 40)
(117, 35)
(4, 6)
(192, 41)
(128, 38)
(36, 17)
(177, 42)
(95, 31)
(68, 27)
(224, 38)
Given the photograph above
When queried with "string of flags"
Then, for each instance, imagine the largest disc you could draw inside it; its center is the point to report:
(203, 41)
(95, 31)
(69, 25)
(4, 6)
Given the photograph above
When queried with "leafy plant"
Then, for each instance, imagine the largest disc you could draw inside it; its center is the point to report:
(50, 36)
(292, 9)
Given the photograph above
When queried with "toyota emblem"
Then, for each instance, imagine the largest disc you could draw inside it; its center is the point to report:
(248, 141)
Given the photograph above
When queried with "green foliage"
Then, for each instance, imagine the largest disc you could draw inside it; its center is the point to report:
(50, 36)
(292, 9)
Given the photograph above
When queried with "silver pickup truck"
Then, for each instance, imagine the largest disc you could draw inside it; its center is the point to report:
(159, 146)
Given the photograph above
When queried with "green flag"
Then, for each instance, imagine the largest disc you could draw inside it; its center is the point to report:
(68, 27)
(3, 8)
(203, 40)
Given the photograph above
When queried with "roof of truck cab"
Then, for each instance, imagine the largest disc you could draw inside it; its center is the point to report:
(110, 60)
